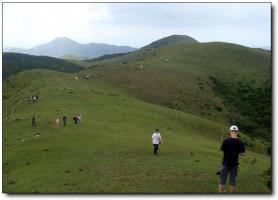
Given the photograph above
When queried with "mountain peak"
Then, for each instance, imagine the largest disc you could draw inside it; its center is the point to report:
(170, 40)
(63, 40)
(62, 46)
(183, 37)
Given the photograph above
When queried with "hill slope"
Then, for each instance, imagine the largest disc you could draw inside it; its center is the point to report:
(171, 40)
(110, 151)
(63, 46)
(16, 62)
(219, 81)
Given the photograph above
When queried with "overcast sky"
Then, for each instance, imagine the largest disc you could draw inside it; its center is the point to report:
(136, 24)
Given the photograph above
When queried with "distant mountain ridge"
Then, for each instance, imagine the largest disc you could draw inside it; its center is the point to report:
(14, 63)
(62, 46)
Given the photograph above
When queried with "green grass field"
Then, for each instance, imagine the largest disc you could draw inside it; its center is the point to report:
(111, 150)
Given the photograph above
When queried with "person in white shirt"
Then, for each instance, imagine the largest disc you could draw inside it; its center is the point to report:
(156, 140)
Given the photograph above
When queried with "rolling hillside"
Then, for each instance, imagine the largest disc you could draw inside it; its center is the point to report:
(16, 62)
(172, 40)
(219, 81)
(111, 151)
(62, 46)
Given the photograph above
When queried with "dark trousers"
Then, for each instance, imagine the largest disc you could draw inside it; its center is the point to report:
(65, 122)
(225, 171)
(155, 148)
(33, 123)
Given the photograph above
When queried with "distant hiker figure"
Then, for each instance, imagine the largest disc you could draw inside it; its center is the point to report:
(75, 119)
(34, 98)
(65, 120)
(231, 148)
(34, 124)
(156, 140)
(58, 121)
(78, 118)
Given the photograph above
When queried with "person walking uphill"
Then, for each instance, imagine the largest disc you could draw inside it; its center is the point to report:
(156, 139)
(65, 120)
(231, 148)
(34, 124)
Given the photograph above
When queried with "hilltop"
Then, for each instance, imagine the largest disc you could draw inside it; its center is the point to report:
(171, 40)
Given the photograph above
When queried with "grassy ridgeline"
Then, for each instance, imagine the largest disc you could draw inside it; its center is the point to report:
(185, 77)
(14, 63)
(111, 150)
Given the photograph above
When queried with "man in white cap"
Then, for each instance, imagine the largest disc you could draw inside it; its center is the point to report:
(231, 148)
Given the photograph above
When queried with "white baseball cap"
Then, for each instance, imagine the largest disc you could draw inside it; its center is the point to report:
(233, 128)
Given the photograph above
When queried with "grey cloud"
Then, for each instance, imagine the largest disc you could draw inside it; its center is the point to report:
(186, 14)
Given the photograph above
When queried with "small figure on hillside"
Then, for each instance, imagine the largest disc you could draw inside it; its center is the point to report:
(37, 96)
(34, 98)
(58, 121)
(65, 120)
(78, 116)
(76, 78)
(34, 124)
(75, 119)
(88, 76)
(231, 148)
(156, 140)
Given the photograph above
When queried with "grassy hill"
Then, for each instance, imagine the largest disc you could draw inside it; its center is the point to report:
(111, 151)
(171, 40)
(90, 62)
(219, 81)
(104, 57)
(73, 57)
(16, 62)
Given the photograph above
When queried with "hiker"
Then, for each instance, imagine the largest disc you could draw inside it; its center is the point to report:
(58, 121)
(231, 148)
(34, 124)
(78, 118)
(65, 120)
(156, 139)
(75, 119)
(34, 98)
